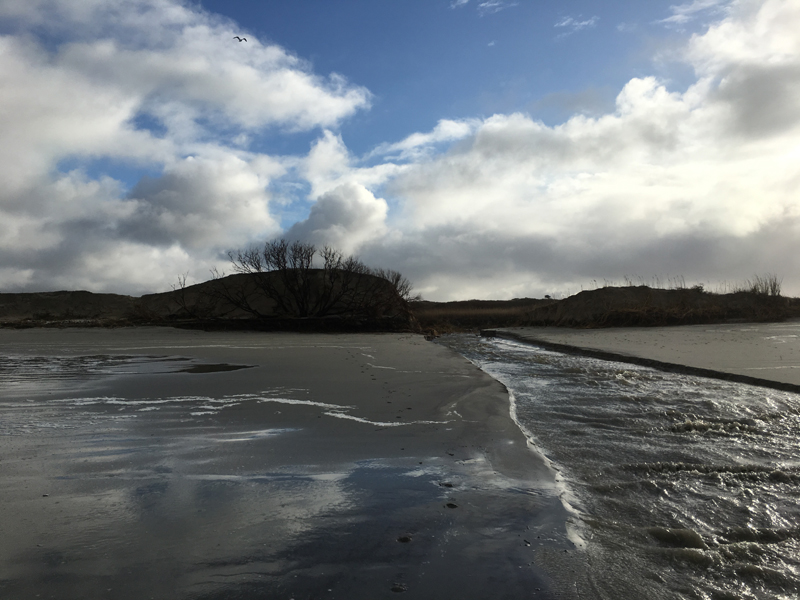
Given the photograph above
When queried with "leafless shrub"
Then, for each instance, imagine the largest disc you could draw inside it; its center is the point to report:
(193, 306)
(285, 274)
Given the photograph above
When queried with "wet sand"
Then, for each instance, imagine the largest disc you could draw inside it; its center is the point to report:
(158, 463)
(766, 354)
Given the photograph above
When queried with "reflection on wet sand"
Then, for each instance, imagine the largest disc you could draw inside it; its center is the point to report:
(272, 481)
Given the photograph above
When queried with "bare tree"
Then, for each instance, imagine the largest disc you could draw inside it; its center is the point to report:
(285, 274)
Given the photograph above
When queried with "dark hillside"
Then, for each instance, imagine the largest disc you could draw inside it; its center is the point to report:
(644, 306)
(233, 302)
(607, 307)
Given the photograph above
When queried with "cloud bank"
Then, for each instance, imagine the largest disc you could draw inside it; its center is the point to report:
(147, 84)
(700, 182)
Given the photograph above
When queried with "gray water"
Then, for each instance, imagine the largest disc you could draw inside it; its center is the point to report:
(684, 487)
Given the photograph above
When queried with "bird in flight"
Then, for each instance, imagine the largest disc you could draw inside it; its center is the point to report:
(236, 37)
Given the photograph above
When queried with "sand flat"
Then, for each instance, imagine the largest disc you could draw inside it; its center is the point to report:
(341, 466)
(761, 353)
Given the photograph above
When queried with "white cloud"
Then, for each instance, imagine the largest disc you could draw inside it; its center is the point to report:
(573, 25)
(488, 7)
(700, 183)
(418, 145)
(683, 13)
(78, 81)
(491, 7)
(329, 165)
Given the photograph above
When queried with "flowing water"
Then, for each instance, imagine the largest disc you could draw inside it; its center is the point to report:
(684, 487)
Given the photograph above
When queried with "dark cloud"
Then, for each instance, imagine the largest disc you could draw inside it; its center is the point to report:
(764, 99)
(464, 262)
(345, 217)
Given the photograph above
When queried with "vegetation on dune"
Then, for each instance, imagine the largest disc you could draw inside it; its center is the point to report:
(278, 286)
(295, 286)
(282, 282)
(342, 285)
(675, 303)
(768, 285)
(472, 315)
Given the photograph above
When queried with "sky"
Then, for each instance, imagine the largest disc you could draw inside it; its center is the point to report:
(484, 148)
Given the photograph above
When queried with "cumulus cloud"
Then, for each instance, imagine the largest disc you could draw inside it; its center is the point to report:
(700, 183)
(329, 164)
(345, 217)
(155, 84)
(197, 204)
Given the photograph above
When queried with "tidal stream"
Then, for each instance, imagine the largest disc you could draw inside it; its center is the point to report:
(684, 487)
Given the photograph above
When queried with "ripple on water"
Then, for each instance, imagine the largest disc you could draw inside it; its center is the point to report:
(687, 486)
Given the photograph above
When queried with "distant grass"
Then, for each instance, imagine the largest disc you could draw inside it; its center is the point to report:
(694, 304)
(769, 285)
(763, 285)
(473, 315)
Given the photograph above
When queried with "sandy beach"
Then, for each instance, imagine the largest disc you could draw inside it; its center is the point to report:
(766, 354)
(160, 463)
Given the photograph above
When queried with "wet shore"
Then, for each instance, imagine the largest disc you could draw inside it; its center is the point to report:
(160, 463)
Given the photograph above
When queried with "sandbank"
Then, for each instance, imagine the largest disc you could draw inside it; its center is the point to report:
(160, 463)
(766, 354)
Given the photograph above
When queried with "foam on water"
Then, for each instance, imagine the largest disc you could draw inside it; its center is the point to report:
(683, 487)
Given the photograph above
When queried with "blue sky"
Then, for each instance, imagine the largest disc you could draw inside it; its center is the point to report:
(426, 60)
(484, 148)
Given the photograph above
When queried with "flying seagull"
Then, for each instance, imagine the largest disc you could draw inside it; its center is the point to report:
(236, 37)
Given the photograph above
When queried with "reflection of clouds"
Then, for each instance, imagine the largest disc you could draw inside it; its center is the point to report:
(264, 511)
(247, 436)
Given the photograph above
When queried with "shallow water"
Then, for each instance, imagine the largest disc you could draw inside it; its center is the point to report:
(685, 487)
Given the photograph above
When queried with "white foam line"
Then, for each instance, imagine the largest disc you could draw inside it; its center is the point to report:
(340, 415)
(306, 403)
(126, 402)
(380, 367)
(568, 501)
(219, 402)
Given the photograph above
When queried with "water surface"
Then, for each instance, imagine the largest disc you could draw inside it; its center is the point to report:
(687, 487)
